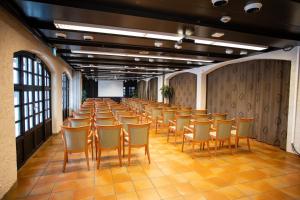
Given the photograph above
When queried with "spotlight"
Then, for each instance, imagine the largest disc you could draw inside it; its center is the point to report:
(253, 6)
(218, 3)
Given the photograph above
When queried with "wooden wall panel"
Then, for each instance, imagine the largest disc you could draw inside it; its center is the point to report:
(142, 89)
(258, 89)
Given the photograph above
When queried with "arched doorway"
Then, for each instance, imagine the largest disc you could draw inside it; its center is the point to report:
(65, 95)
(32, 102)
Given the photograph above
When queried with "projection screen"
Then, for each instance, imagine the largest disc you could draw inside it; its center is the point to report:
(110, 88)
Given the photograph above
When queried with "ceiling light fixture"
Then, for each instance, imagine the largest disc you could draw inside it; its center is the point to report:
(61, 35)
(138, 56)
(137, 59)
(243, 53)
(151, 60)
(177, 46)
(228, 44)
(218, 3)
(88, 37)
(229, 51)
(225, 19)
(158, 44)
(217, 35)
(115, 30)
(188, 62)
(144, 52)
(253, 6)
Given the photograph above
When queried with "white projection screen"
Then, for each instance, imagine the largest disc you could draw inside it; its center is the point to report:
(110, 88)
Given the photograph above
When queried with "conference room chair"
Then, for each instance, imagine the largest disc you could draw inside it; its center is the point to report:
(222, 133)
(75, 141)
(244, 131)
(103, 114)
(124, 113)
(155, 114)
(102, 121)
(200, 134)
(218, 116)
(177, 126)
(109, 138)
(137, 137)
(167, 115)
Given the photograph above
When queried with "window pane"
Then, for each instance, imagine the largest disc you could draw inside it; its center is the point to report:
(40, 69)
(16, 98)
(36, 107)
(40, 81)
(41, 117)
(41, 106)
(31, 122)
(17, 113)
(35, 67)
(29, 79)
(26, 125)
(30, 109)
(26, 110)
(25, 97)
(16, 62)
(29, 65)
(25, 78)
(37, 119)
(40, 93)
(24, 64)
(30, 96)
(16, 77)
(18, 129)
(36, 96)
(36, 80)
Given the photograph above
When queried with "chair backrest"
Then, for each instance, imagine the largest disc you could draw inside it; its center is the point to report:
(81, 116)
(115, 110)
(224, 129)
(202, 130)
(218, 116)
(200, 117)
(199, 112)
(138, 134)
(102, 121)
(245, 127)
(184, 112)
(109, 136)
(181, 121)
(78, 122)
(75, 139)
(156, 112)
(125, 120)
(124, 113)
(168, 115)
(103, 114)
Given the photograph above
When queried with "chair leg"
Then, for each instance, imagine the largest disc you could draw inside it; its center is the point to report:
(175, 138)
(248, 142)
(155, 126)
(98, 160)
(148, 153)
(123, 146)
(236, 143)
(87, 158)
(208, 148)
(65, 160)
(229, 145)
(120, 156)
(129, 154)
(92, 150)
(182, 143)
(216, 146)
(168, 135)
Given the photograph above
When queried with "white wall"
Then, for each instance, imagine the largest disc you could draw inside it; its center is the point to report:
(15, 37)
(293, 132)
(77, 90)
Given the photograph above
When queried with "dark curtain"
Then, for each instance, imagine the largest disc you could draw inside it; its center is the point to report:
(90, 87)
(152, 88)
(141, 89)
(258, 89)
(185, 88)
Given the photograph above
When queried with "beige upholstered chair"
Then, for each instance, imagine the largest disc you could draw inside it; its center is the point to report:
(177, 127)
(109, 138)
(103, 114)
(75, 141)
(167, 115)
(100, 121)
(222, 133)
(155, 114)
(200, 134)
(138, 136)
(218, 116)
(244, 131)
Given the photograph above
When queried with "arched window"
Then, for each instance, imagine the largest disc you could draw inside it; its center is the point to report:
(32, 100)
(65, 95)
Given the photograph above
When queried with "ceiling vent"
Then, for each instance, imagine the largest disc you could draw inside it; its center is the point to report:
(88, 37)
(218, 3)
(253, 6)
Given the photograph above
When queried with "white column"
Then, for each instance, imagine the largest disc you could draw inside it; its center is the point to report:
(201, 91)
(77, 90)
(159, 85)
(56, 95)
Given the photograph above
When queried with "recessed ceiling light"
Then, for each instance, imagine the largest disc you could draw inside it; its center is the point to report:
(151, 60)
(223, 43)
(225, 19)
(61, 35)
(137, 59)
(253, 6)
(218, 3)
(90, 56)
(115, 30)
(88, 37)
(138, 56)
(217, 35)
(92, 70)
(229, 51)
(126, 66)
(158, 44)
(82, 70)
(188, 62)
(177, 46)
(242, 53)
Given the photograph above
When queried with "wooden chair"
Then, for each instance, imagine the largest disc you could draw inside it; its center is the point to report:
(109, 138)
(102, 121)
(243, 131)
(177, 126)
(218, 116)
(200, 134)
(137, 137)
(222, 133)
(167, 115)
(155, 114)
(75, 141)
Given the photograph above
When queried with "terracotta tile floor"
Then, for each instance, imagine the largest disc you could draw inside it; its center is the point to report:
(264, 173)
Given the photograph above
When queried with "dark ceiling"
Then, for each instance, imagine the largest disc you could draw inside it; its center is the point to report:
(276, 26)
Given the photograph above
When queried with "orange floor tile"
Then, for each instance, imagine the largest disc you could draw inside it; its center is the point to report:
(264, 173)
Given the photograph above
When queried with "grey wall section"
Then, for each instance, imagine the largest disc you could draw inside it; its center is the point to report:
(259, 89)
(142, 89)
(185, 88)
(152, 89)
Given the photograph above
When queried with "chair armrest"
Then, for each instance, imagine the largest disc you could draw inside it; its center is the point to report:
(213, 129)
(172, 122)
(188, 128)
(125, 132)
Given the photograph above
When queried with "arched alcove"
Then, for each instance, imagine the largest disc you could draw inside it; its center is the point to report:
(152, 89)
(142, 89)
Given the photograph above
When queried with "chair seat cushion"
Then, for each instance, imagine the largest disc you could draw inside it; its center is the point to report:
(126, 138)
(189, 136)
(172, 128)
(233, 132)
(213, 134)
